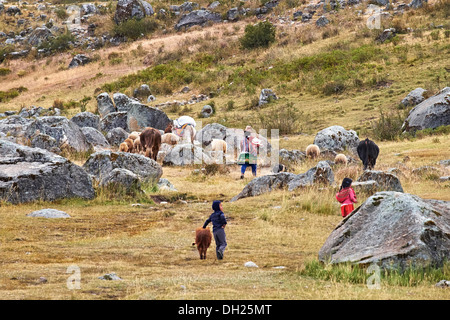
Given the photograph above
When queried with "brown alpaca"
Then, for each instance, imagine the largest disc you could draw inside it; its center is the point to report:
(130, 144)
(151, 142)
(203, 241)
(219, 145)
(137, 145)
(169, 128)
(312, 151)
(123, 147)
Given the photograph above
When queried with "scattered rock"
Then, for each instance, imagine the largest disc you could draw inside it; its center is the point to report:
(266, 96)
(386, 35)
(414, 97)
(94, 137)
(114, 120)
(197, 18)
(207, 111)
(393, 230)
(431, 113)
(48, 213)
(140, 116)
(121, 180)
(29, 174)
(100, 165)
(186, 154)
(105, 104)
(336, 138)
(322, 21)
(385, 181)
(164, 184)
(79, 60)
(250, 264)
(110, 276)
(116, 136)
(128, 9)
(443, 284)
(86, 119)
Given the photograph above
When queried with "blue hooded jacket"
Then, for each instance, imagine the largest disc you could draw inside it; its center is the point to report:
(217, 217)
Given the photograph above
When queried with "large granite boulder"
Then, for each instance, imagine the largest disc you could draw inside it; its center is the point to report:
(29, 174)
(67, 134)
(86, 119)
(319, 175)
(186, 154)
(197, 18)
(414, 97)
(105, 104)
(394, 230)
(39, 36)
(114, 120)
(100, 165)
(121, 180)
(431, 113)
(336, 138)
(384, 181)
(14, 126)
(94, 137)
(140, 116)
(128, 9)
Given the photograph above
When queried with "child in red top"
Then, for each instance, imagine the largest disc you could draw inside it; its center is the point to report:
(346, 196)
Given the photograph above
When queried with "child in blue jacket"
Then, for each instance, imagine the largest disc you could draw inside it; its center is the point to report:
(218, 221)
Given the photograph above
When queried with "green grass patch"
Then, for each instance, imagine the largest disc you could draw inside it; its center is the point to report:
(6, 96)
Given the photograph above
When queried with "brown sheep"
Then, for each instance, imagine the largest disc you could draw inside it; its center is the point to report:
(134, 135)
(151, 142)
(130, 144)
(340, 159)
(312, 151)
(123, 147)
(137, 145)
(170, 138)
(203, 241)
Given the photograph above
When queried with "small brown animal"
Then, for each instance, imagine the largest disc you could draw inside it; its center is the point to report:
(169, 128)
(137, 145)
(170, 138)
(203, 241)
(130, 144)
(123, 147)
(151, 142)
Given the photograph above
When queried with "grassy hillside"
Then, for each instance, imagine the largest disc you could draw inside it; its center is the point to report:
(336, 75)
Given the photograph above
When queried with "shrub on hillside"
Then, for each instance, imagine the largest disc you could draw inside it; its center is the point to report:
(286, 119)
(260, 35)
(135, 28)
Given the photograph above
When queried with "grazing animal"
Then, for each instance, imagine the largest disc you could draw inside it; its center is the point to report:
(134, 135)
(340, 159)
(123, 147)
(203, 241)
(130, 144)
(169, 128)
(312, 151)
(151, 142)
(170, 138)
(137, 145)
(368, 153)
(219, 145)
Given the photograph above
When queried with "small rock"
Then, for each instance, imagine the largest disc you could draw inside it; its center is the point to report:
(250, 264)
(110, 276)
(48, 213)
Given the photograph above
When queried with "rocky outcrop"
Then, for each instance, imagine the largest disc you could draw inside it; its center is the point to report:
(431, 113)
(67, 134)
(105, 104)
(414, 97)
(383, 181)
(336, 138)
(393, 230)
(128, 9)
(86, 119)
(121, 180)
(197, 18)
(100, 165)
(186, 154)
(29, 174)
(319, 175)
(140, 116)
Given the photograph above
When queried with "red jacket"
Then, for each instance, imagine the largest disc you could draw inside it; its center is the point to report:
(346, 196)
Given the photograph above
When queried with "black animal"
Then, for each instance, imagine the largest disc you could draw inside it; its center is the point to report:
(279, 168)
(368, 153)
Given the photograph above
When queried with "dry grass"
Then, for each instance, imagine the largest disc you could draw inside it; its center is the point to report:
(149, 246)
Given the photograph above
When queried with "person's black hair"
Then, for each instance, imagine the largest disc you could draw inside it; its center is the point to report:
(347, 182)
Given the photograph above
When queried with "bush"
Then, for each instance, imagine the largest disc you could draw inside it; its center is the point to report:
(389, 126)
(11, 93)
(260, 35)
(4, 72)
(60, 43)
(134, 28)
(286, 119)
